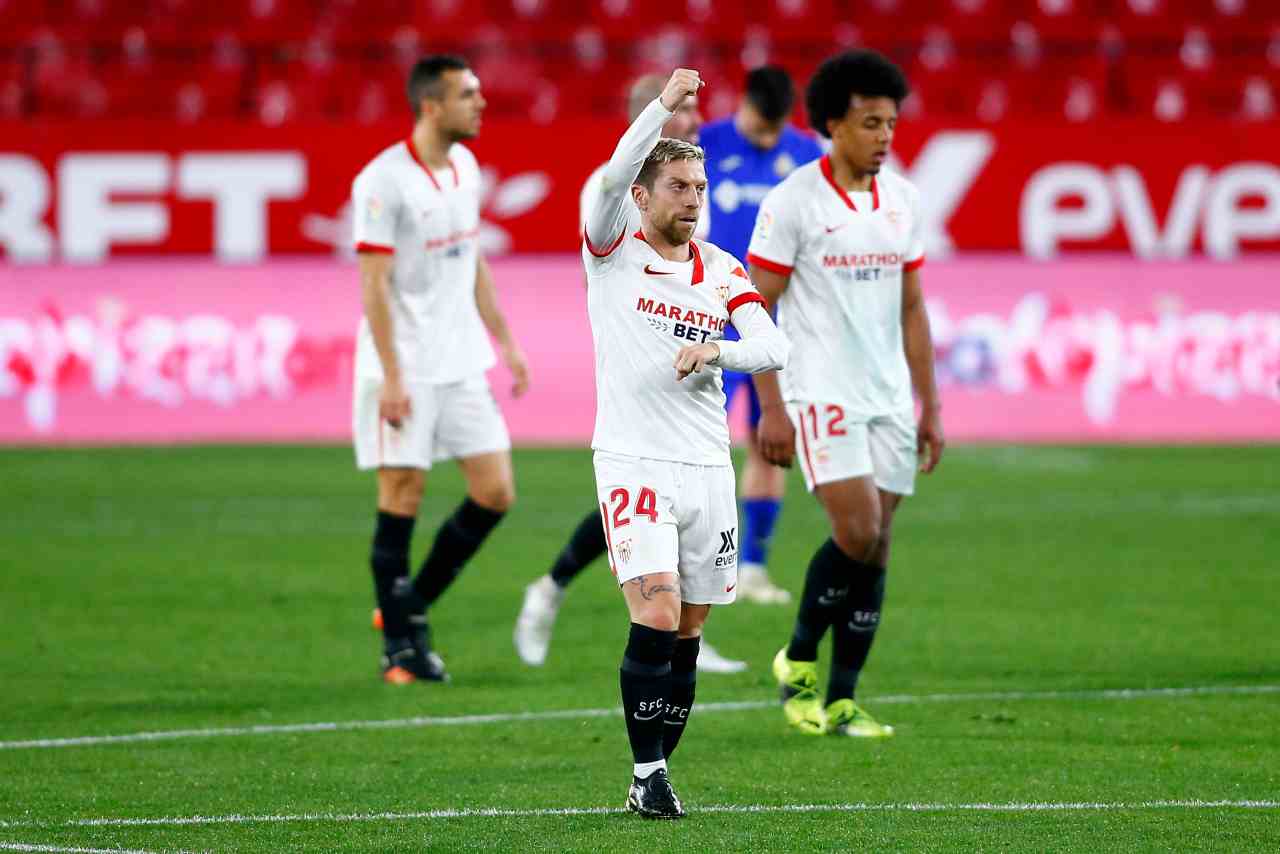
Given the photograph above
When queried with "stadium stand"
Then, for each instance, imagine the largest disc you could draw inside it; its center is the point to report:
(970, 60)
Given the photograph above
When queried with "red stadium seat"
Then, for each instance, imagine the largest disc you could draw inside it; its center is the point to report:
(368, 22)
(1149, 24)
(1062, 22)
(622, 20)
(267, 23)
(974, 22)
(800, 20)
(13, 89)
(969, 60)
(1259, 100)
(20, 20)
(1170, 92)
(63, 82)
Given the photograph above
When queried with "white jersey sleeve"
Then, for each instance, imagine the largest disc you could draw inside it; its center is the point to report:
(611, 209)
(590, 190)
(776, 241)
(915, 248)
(376, 201)
(761, 346)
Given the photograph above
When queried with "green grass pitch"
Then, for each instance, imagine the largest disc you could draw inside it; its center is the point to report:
(205, 588)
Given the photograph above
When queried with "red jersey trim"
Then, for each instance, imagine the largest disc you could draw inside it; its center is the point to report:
(697, 264)
(413, 152)
(766, 264)
(608, 538)
(804, 445)
(375, 247)
(913, 265)
(695, 255)
(596, 252)
(744, 299)
(831, 179)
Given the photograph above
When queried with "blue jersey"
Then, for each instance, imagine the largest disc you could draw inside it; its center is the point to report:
(738, 177)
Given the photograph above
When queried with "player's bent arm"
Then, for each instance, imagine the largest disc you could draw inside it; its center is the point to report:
(917, 341)
(375, 287)
(487, 305)
(762, 346)
(607, 215)
(917, 344)
(774, 432)
(496, 323)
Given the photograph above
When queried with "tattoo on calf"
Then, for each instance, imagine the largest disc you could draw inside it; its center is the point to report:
(649, 590)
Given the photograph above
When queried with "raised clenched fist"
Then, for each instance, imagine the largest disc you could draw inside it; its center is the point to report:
(683, 83)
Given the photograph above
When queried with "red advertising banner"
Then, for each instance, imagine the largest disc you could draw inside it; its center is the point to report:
(176, 350)
(85, 193)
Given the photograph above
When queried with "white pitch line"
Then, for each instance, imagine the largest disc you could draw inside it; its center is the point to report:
(504, 812)
(60, 849)
(579, 714)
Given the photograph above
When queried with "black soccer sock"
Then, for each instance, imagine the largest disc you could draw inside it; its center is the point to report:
(586, 544)
(390, 560)
(684, 671)
(826, 583)
(456, 541)
(854, 630)
(645, 678)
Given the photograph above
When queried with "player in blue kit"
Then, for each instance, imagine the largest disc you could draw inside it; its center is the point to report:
(747, 154)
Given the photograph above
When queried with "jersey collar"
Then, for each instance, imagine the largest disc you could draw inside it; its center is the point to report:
(694, 253)
(831, 179)
(413, 152)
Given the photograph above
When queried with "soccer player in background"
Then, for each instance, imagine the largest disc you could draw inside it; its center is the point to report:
(838, 248)
(543, 598)
(747, 154)
(658, 301)
(421, 354)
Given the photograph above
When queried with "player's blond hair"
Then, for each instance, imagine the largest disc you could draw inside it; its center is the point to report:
(668, 150)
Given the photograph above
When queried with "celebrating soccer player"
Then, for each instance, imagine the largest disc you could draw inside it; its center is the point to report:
(421, 355)
(747, 154)
(838, 248)
(659, 301)
(542, 598)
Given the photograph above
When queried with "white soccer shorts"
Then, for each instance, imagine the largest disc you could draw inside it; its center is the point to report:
(662, 516)
(832, 445)
(446, 421)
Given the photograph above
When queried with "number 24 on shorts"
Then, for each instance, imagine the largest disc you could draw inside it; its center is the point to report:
(646, 505)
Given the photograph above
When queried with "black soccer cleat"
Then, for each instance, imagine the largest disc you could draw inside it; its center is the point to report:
(653, 797)
(411, 660)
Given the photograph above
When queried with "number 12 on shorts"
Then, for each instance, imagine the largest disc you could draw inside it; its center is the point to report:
(832, 415)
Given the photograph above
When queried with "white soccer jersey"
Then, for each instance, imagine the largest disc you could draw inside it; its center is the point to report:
(591, 189)
(842, 309)
(644, 308)
(431, 222)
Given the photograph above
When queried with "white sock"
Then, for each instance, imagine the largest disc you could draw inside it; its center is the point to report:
(643, 770)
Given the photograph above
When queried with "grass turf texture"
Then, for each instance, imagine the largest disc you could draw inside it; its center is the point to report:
(209, 587)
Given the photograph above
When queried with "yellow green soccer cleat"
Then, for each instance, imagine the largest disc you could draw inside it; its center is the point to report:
(799, 683)
(845, 717)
